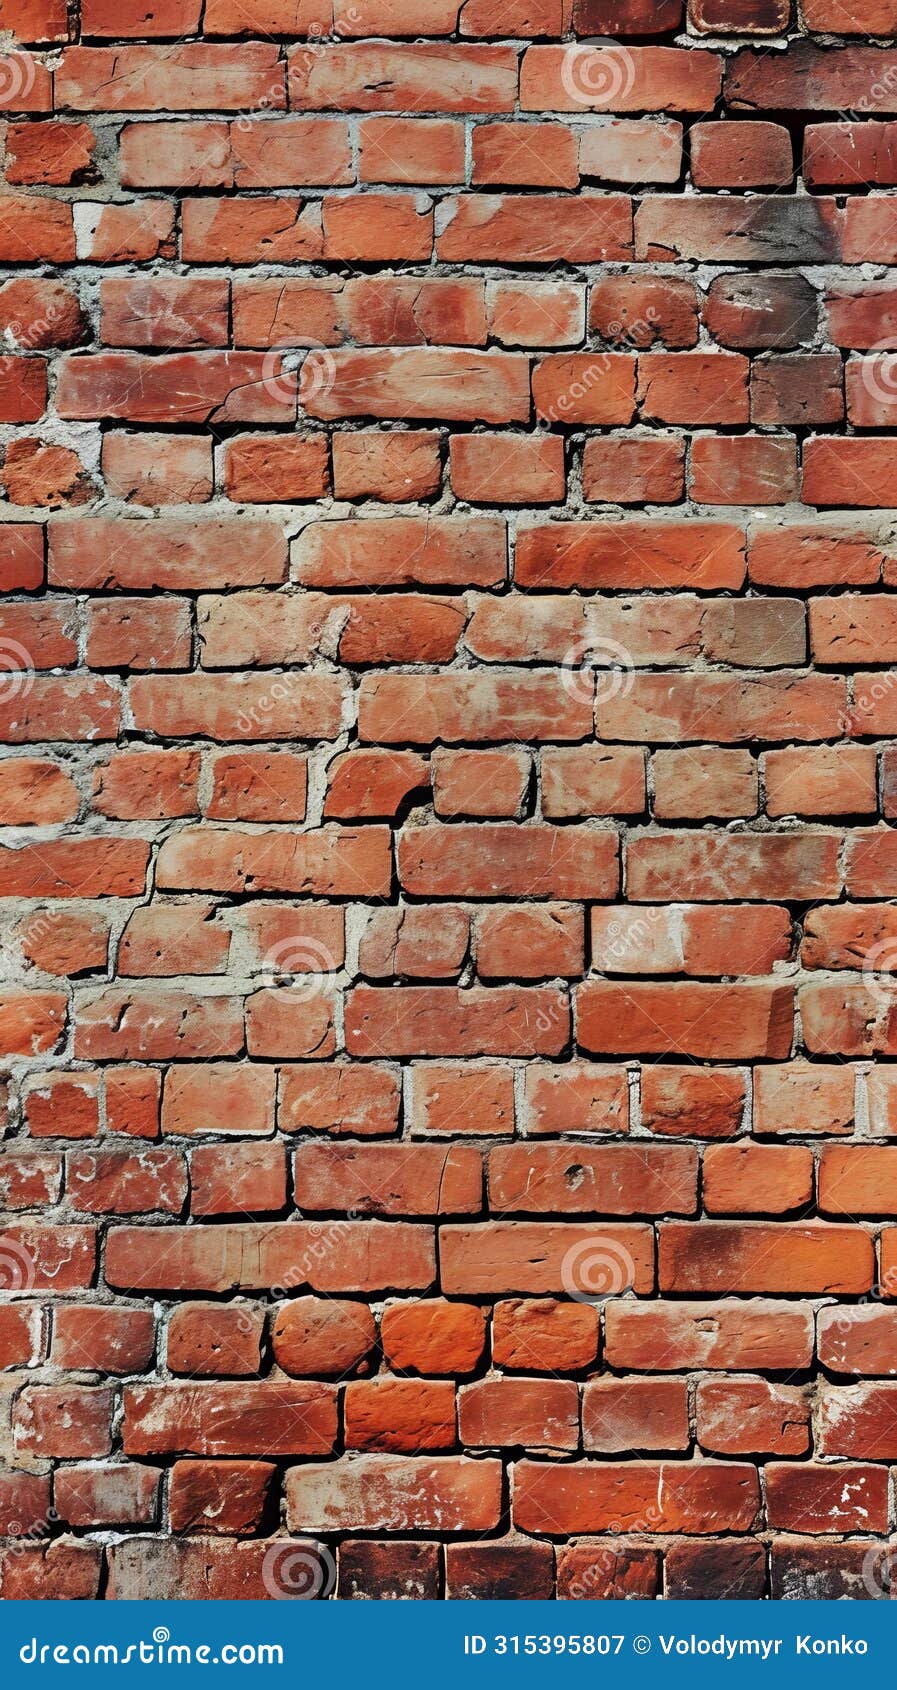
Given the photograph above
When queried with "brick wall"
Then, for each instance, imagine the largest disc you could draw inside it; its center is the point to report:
(446, 707)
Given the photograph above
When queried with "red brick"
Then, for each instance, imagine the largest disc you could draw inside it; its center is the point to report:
(164, 311)
(751, 1417)
(178, 472)
(433, 1337)
(114, 1495)
(537, 1257)
(138, 785)
(621, 1415)
(479, 783)
(390, 467)
(743, 470)
(374, 76)
(725, 1256)
(519, 1569)
(252, 1181)
(524, 155)
(498, 469)
(629, 469)
(63, 1420)
(492, 228)
(761, 311)
(224, 1419)
(167, 553)
(378, 1253)
(226, 1498)
(401, 149)
(535, 1413)
(723, 1335)
(210, 1339)
(809, 1497)
(610, 1180)
(606, 79)
(637, 553)
(757, 1179)
(201, 77)
(428, 382)
(370, 1571)
(544, 1336)
(741, 155)
(396, 1493)
(322, 1335)
(577, 1096)
(399, 1414)
(673, 1497)
(177, 387)
(504, 860)
(727, 1022)
(35, 790)
(100, 1339)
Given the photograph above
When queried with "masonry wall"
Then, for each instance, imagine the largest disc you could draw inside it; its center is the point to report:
(449, 882)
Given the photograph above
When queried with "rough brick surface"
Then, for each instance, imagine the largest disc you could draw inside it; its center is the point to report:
(448, 769)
